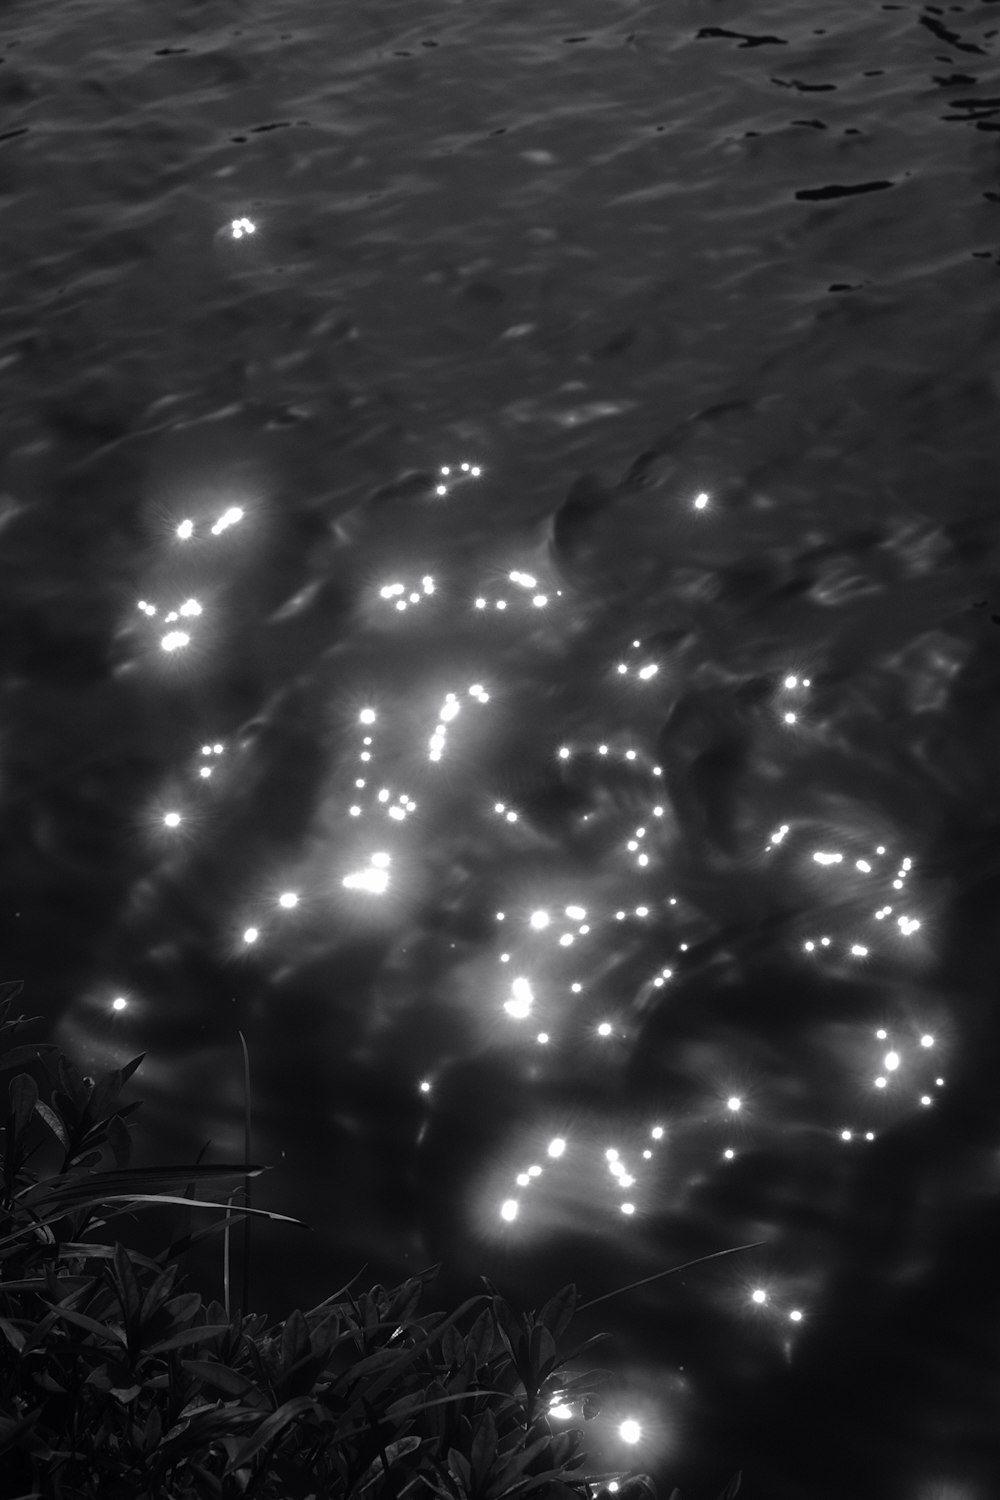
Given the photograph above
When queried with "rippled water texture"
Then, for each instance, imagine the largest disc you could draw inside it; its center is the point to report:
(706, 296)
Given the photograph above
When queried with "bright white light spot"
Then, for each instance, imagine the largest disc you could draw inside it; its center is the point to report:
(172, 819)
(508, 1210)
(240, 227)
(630, 1431)
(647, 672)
(228, 518)
(539, 919)
(185, 530)
(119, 1002)
(758, 1296)
(827, 859)
(892, 1061)
(174, 640)
(288, 900)
(733, 1104)
(577, 913)
(557, 1146)
(367, 716)
(627, 1208)
(251, 935)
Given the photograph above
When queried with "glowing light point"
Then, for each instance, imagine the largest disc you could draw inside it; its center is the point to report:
(172, 819)
(228, 518)
(557, 1146)
(521, 999)
(627, 1208)
(175, 640)
(288, 900)
(240, 227)
(759, 1296)
(700, 501)
(734, 1105)
(251, 935)
(539, 919)
(185, 530)
(508, 1210)
(119, 1002)
(630, 1431)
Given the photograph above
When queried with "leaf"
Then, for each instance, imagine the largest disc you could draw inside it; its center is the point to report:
(484, 1446)
(220, 1377)
(541, 1353)
(459, 1466)
(295, 1343)
(271, 1428)
(127, 1287)
(54, 1123)
(9, 990)
(187, 1337)
(393, 1450)
(23, 1097)
(558, 1311)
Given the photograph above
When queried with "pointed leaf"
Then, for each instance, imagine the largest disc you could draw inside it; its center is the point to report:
(105, 1333)
(295, 1343)
(461, 1468)
(54, 1123)
(272, 1427)
(188, 1336)
(541, 1352)
(484, 1446)
(220, 1377)
(127, 1287)
(558, 1311)
(23, 1097)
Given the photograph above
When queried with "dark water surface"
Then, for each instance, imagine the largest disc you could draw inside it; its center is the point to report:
(707, 293)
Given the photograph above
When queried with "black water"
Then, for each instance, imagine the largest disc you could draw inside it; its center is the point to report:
(618, 257)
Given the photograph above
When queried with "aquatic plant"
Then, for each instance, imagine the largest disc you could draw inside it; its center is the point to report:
(115, 1382)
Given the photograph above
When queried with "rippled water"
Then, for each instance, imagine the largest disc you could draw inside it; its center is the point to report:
(705, 299)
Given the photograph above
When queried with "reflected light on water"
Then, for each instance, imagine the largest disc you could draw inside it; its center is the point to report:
(561, 938)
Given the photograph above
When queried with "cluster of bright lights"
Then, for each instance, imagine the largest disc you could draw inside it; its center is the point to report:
(552, 929)
(643, 673)
(528, 585)
(450, 709)
(404, 596)
(374, 878)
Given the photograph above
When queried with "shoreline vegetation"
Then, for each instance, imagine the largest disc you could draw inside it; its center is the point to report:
(115, 1381)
